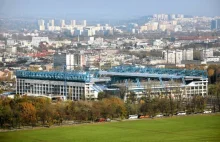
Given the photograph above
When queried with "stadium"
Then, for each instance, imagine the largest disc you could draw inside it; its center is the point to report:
(76, 85)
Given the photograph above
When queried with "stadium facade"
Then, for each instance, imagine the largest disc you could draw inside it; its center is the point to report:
(140, 80)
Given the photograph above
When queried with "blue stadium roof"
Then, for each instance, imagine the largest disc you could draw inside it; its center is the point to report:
(129, 71)
(154, 72)
(55, 75)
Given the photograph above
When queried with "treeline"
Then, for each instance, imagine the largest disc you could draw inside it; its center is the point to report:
(166, 105)
(33, 111)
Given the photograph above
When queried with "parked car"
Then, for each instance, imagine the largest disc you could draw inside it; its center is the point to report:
(181, 113)
(143, 116)
(207, 111)
(159, 115)
(133, 117)
(108, 120)
(101, 120)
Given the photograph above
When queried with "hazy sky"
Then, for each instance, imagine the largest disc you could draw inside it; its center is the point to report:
(107, 8)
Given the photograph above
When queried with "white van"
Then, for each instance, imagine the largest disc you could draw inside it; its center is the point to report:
(133, 117)
(207, 111)
(181, 113)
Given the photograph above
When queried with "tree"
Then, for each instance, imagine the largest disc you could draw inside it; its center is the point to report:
(102, 95)
(172, 104)
(132, 97)
(163, 105)
(214, 92)
(122, 92)
(28, 113)
(96, 110)
(59, 112)
(211, 72)
(114, 107)
(46, 114)
(200, 103)
(218, 95)
(135, 109)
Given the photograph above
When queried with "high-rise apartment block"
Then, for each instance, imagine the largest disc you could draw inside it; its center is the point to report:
(84, 23)
(176, 56)
(62, 23)
(215, 24)
(204, 54)
(41, 25)
(188, 54)
(73, 23)
(71, 61)
(51, 23)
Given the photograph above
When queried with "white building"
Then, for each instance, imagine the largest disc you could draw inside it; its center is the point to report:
(11, 49)
(71, 61)
(73, 23)
(41, 25)
(212, 59)
(172, 16)
(36, 40)
(88, 32)
(51, 23)
(62, 23)
(188, 54)
(173, 56)
(10, 42)
(178, 28)
(84, 23)
(158, 42)
(180, 16)
(204, 54)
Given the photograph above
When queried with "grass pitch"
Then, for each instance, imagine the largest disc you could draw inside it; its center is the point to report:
(187, 128)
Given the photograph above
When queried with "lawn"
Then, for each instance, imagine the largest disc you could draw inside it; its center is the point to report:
(186, 128)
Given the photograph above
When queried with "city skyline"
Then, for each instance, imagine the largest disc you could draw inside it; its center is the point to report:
(113, 9)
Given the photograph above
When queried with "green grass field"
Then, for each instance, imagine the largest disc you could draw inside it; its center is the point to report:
(187, 129)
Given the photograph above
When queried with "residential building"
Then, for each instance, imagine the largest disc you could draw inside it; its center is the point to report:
(62, 23)
(11, 49)
(204, 54)
(73, 23)
(188, 54)
(84, 23)
(215, 24)
(71, 61)
(10, 42)
(41, 25)
(173, 56)
(36, 40)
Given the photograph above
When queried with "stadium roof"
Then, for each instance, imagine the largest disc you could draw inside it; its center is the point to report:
(55, 75)
(154, 72)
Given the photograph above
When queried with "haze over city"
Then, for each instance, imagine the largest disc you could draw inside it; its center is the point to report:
(106, 9)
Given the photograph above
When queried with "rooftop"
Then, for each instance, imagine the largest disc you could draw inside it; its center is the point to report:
(154, 72)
